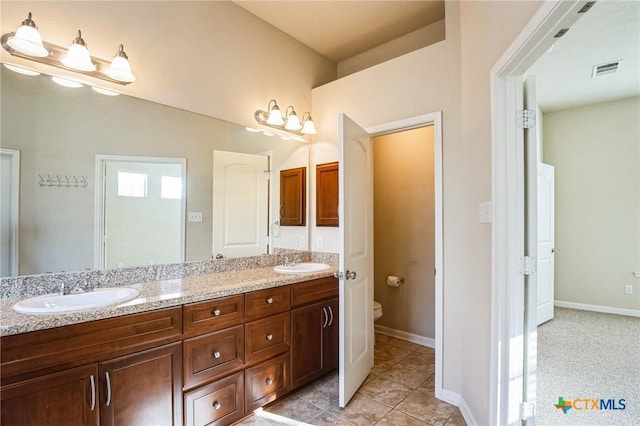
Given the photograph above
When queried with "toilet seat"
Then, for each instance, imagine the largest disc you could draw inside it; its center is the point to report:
(377, 310)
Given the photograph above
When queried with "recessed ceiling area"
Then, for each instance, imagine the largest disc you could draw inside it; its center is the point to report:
(340, 30)
(608, 33)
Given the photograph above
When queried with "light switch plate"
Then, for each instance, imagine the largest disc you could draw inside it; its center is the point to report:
(484, 212)
(195, 216)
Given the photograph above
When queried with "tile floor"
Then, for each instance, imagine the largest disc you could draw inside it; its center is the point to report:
(399, 391)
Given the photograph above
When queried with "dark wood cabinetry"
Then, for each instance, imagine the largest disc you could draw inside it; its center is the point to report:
(293, 197)
(204, 363)
(327, 194)
(314, 330)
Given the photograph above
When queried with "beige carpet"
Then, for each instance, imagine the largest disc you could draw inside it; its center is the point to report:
(593, 356)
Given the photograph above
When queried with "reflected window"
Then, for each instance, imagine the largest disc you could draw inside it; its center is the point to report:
(132, 184)
(171, 187)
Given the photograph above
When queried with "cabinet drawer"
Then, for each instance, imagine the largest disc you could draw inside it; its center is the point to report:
(212, 315)
(267, 337)
(314, 291)
(213, 355)
(267, 381)
(218, 403)
(262, 303)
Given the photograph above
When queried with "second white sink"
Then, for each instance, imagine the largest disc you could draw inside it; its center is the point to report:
(302, 268)
(56, 303)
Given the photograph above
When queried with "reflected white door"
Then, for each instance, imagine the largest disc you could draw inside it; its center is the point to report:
(9, 211)
(545, 242)
(240, 206)
(356, 257)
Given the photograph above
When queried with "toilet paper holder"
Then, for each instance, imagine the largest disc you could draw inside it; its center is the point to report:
(393, 281)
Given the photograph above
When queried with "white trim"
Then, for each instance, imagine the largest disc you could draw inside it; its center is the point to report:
(409, 337)
(14, 208)
(456, 399)
(508, 196)
(597, 308)
(98, 212)
(435, 119)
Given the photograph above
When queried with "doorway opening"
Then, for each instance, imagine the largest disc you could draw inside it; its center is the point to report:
(140, 211)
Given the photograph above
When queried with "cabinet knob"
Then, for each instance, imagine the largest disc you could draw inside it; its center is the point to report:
(269, 300)
(216, 355)
(217, 405)
(216, 312)
(269, 336)
(269, 381)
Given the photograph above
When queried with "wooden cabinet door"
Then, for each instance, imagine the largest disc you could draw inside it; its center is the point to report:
(331, 337)
(142, 389)
(293, 197)
(306, 343)
(65, 398)
(327, 194)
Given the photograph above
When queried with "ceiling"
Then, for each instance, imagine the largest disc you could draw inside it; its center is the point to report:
(340, 30)
(610, 31)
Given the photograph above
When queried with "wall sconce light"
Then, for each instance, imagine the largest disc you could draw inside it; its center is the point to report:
(272, 117)
(27, 43)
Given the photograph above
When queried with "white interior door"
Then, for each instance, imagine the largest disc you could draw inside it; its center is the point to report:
(240, 207)
(356, 257)
(530, 331)
(546, 250)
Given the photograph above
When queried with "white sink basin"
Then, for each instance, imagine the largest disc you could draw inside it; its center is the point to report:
(302, 268)
(56, 303)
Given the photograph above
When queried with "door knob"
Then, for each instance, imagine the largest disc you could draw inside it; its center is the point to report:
(350, 275)
(555, 250)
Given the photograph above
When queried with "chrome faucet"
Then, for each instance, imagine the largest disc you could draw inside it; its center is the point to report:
(77, 289)
(295, 261)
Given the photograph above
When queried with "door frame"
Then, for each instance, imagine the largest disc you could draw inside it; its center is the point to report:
(99, 195)
(432, 119)
(508, 194)
(14, 158)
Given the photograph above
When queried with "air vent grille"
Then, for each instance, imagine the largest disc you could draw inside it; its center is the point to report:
(604, 69)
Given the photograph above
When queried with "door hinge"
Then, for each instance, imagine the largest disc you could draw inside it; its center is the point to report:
(527, 265)
(526, 119)
(527, 410)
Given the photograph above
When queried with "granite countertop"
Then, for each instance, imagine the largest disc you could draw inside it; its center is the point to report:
(157, 295)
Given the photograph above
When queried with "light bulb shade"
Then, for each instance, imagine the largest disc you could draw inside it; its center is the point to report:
(275, 116)
(27, 40)
(66, 83)
(309, 128)
(78, 57)
(120, 69)
(292, 122)
(21, 70)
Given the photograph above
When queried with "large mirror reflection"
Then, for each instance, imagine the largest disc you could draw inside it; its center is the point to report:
(94, 181)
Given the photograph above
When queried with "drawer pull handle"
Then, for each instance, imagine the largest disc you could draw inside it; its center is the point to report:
(269, 300)
(93, 392)
(269, 336)
(269, 381)
(216, 312)
(216, 355)
(217, 405)
(106, 375)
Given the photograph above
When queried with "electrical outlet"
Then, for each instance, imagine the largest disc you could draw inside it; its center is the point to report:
(319, 242)
(302, 241)
(628, 289)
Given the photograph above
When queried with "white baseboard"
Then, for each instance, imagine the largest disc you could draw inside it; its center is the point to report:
(457, 400)
(414, 338)
(597, 308)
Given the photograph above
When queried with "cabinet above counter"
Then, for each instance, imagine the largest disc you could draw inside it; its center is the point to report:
(156, 295)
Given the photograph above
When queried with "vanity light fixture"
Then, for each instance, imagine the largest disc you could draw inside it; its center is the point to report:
(27, 43)
(272, 117)
(78, 57)
(21, 70)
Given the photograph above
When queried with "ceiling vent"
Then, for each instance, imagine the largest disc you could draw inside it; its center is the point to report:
(604, 69)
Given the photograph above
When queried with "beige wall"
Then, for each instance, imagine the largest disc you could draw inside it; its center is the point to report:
(451, 76)
(404, 229)
(210, 57)
(596, 153)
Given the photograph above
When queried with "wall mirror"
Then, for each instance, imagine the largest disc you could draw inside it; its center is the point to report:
(57, 137)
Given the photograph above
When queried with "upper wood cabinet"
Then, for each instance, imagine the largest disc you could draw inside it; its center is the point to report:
(293, 197)
(327, 194)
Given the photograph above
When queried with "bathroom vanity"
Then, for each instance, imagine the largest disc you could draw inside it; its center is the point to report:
(194, 359)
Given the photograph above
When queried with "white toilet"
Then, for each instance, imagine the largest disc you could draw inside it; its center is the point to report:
(377, 310)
